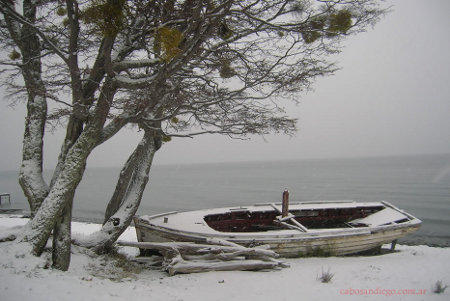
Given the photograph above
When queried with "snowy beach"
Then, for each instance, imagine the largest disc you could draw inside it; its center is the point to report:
(410, 273)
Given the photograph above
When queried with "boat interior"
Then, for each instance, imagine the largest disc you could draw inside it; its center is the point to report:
(256, 221)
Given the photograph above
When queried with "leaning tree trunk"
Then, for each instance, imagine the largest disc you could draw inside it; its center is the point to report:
(127, 196)
(38, 230)
(122, 185)
(62, 230)
(25, 37)
(30, 176)
(62, 238)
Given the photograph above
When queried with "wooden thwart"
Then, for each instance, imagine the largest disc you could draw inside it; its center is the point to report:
(289, 217)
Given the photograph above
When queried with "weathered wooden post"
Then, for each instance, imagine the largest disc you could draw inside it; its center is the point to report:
(285, 204)
(5, 196)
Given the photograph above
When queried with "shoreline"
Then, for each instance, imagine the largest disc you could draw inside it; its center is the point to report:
(99, 278)
(410, 240)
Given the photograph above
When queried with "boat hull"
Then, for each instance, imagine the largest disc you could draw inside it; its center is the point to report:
(288, 243)
(330, 245)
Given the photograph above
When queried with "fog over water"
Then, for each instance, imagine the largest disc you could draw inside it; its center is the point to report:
(392, 97)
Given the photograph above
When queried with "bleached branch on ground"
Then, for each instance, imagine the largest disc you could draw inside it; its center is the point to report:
(221, 255)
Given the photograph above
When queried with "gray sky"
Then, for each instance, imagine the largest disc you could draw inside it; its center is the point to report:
(392, 97)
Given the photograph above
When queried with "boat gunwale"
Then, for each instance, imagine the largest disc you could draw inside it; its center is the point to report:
(284, 234)
(311, 232)
(286, 242)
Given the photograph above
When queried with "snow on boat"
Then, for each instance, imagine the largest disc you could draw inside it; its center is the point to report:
(305, 229)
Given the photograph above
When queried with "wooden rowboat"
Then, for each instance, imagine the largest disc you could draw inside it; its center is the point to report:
(305, 229)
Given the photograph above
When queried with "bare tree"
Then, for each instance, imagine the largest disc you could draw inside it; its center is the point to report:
(173, 68)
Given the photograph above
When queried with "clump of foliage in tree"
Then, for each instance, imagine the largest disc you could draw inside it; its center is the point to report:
(168, 41)
(107, 17)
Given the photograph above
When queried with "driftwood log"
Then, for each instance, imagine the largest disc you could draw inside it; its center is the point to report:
(219, 255)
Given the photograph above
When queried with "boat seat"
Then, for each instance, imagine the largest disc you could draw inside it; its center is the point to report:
(385, 216)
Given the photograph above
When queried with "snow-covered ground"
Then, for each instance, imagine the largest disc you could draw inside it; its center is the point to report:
(408, 274)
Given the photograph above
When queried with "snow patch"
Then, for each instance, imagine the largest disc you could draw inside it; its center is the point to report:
(90, 277)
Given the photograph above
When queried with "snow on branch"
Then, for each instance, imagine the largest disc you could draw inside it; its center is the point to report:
(131, 64)
(127, 82)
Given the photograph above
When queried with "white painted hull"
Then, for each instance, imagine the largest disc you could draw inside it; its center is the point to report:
(287, 243)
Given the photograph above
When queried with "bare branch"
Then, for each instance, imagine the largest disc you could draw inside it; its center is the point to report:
(7, 10)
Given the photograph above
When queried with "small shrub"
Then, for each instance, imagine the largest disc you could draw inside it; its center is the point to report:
(439, 287)
(113, 266)
(326, 276)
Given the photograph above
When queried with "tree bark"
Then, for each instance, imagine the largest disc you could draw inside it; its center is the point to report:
(81, 97)
(38, 230)
(62, 238)
(127, 195)
(122, 185)
(62, 229)
(30, 176)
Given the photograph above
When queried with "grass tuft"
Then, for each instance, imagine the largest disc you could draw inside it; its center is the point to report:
(439, 287)
(326, 276)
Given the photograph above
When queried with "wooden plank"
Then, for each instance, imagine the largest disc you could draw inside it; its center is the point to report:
(387, 204)
(5, 196)
(291, 218)
(275, 207)
(285, 204)
(304, 229)
(288, 226)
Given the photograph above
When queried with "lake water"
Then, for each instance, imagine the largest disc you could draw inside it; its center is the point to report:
(418, 184)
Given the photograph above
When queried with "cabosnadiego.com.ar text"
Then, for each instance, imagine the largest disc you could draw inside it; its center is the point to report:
(381, 292)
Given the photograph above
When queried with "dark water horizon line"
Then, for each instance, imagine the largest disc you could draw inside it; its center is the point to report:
(287, 160)
(269, 161)
(274, 161)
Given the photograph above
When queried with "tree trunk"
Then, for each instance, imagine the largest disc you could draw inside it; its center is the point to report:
(25, 37)
(38, 230)
(122, 185)
(30, 176)
(62, 238)
(62, 229)
(127, 196)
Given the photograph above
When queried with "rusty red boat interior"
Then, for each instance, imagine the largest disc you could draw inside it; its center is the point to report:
(251, 221)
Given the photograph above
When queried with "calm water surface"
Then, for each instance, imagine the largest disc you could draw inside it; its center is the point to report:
(418, 184)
